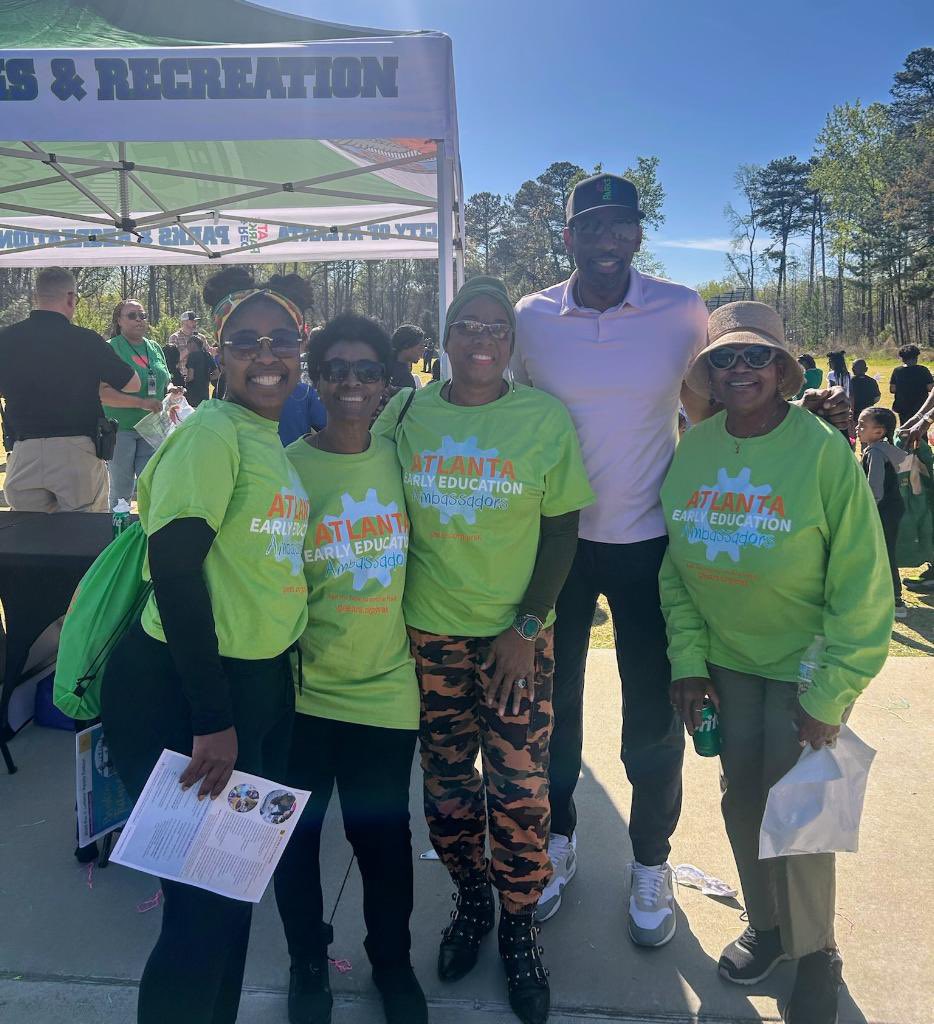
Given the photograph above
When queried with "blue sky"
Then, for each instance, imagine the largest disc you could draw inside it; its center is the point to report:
(605, 81)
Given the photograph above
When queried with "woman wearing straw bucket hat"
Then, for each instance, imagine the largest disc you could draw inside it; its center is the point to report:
(770, 521)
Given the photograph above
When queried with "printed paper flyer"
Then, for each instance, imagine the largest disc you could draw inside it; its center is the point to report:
(230, 845)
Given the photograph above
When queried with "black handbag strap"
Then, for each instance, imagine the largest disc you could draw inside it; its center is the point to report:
(402, 412)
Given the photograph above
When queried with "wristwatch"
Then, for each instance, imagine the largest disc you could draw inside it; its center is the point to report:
(527, 626)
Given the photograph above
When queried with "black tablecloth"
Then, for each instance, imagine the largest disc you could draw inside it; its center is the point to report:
(42, 560)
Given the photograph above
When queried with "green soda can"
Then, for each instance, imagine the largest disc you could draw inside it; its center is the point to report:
(707, 736)
(121, 519)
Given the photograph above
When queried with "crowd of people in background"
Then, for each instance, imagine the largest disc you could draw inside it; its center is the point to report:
(543, 471)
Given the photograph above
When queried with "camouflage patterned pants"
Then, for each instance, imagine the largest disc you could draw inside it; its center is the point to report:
(456, 725)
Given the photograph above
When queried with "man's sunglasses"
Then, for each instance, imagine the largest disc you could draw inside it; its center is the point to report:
(475, 328)
(756, 357)
(367, 371)
(133, 315)
(283, 343)
(618, 230)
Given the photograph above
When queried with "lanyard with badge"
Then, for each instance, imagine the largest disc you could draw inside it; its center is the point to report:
(150, 373)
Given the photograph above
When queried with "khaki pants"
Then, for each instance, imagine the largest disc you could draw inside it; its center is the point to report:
(56, 474)
(758, 746)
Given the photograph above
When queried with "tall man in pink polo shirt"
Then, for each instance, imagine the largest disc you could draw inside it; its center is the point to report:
(614, 346)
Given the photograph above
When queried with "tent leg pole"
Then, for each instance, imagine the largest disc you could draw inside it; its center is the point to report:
(445, 248)
(460, 252)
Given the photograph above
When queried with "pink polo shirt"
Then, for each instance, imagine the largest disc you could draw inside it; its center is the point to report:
(619, 373)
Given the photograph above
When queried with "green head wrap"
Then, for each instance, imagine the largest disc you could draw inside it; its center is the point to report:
(491, 288)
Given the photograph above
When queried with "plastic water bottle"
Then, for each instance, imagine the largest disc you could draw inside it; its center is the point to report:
(810, 663)
(121, 519)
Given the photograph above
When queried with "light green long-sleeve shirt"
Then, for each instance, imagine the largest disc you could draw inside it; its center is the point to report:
(771, 545)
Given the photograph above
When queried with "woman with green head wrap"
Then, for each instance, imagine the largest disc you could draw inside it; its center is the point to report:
(494, 482)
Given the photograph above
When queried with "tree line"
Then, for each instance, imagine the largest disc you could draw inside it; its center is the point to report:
(842, 243)
(392, 291)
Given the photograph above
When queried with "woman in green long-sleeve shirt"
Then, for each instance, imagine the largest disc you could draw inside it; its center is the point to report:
(775, 542)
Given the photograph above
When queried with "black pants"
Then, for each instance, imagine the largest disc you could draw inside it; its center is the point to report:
(372, 767)
(653, 736)
(195, 971)
(891, 518)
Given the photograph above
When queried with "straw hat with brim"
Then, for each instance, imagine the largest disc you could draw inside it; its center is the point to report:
(746, 323)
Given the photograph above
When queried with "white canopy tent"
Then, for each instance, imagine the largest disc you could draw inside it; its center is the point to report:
(343, 145)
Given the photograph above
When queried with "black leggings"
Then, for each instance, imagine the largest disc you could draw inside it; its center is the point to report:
(195, 972)
(372, 767)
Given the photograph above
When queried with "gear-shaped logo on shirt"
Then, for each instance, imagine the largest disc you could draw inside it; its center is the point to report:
(466, 450)
(289, 549)
(725, 484)
(363, 568)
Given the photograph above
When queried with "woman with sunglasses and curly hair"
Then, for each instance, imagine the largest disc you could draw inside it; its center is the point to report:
(774, 543)
(494, 482)
(128, 327)
(357, 700)
(205, 672)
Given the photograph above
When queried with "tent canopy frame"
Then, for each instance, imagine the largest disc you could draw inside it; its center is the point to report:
(123, 224)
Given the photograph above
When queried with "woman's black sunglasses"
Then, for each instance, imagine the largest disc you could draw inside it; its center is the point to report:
(284, 343)
(367, 371)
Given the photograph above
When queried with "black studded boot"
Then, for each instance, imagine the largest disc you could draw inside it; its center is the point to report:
(526, 976)
(310, 997)
(473, 917)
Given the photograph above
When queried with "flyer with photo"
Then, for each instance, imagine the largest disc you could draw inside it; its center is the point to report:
(103, 802)
(229, 845)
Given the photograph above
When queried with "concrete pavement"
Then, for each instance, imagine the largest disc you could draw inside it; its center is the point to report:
(71, 950)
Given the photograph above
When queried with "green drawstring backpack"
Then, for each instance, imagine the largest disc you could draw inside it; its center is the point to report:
(109, 598)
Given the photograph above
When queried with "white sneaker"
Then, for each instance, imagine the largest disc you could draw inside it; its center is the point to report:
(652, 919)
(562, 852)
(901, 610)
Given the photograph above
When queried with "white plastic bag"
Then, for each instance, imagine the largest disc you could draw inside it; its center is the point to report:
(816, 807)
(155, 427)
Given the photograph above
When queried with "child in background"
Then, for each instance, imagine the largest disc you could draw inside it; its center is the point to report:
(839, 375)
(813, 374)
(876, 432)
(864, 390)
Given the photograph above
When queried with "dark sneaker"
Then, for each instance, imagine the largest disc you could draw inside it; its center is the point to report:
(924, 584)
(310, 998)
(752, 957)
(403, 998)
(817, 989)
